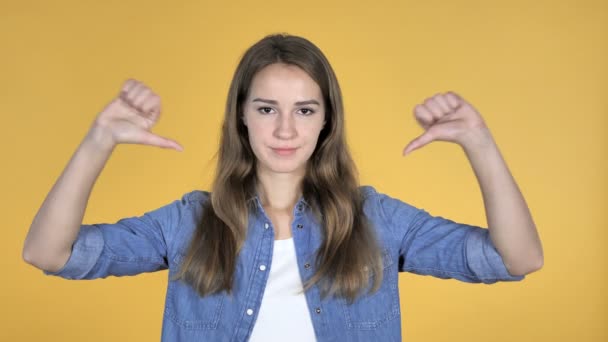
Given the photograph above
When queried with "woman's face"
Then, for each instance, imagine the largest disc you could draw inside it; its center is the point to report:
(284, 114)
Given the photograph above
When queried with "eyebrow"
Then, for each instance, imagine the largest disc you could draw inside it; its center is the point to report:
(299, 103)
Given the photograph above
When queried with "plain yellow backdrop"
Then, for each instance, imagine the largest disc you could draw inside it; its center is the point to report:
(536, 71)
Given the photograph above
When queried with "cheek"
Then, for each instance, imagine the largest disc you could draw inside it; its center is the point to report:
(257, 133)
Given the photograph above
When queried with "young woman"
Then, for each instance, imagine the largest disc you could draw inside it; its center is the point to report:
(287, 245)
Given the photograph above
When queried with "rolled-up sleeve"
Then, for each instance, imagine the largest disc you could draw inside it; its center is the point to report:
(86, 250)
(440, 247)
(129, 246)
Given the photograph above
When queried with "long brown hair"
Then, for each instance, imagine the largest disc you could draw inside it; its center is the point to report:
(349, 255)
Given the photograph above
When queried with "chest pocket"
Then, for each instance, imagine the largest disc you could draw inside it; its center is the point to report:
(368, 312)
(186, 308)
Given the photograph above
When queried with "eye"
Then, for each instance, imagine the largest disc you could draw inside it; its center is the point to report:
(263, 110)
(308, 111)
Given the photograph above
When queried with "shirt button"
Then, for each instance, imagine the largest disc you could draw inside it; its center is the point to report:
(300, 226)
(299, 207)
(306, 265)
(249, 312)
(263, 267)
(266, 226)
(318, 310)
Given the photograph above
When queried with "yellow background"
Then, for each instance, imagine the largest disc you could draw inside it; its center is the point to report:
(537, 72)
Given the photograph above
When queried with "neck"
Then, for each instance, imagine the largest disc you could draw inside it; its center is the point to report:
(279, 191)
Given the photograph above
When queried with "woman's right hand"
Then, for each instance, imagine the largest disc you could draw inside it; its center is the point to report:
(129, 118)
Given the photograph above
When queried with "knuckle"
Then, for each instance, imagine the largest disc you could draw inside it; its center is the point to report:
(148, 106)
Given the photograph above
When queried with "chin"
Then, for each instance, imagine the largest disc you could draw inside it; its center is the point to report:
(286, 166)
(283, 168)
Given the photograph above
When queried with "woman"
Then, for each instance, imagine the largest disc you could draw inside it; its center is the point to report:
(287, 245)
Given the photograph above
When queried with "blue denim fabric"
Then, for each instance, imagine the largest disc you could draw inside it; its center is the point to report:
(412, 240)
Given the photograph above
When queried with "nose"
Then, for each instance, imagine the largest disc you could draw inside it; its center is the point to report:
(285, 127)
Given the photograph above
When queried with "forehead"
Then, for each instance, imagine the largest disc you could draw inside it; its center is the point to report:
(283, 79)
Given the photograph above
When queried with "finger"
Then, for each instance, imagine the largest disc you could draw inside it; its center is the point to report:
(423, 116)
(418, 143)
(154, 113)
(434, 108)
(409, 148)
(151, 104)
(134, 117)
(152, 139)
(127, 86)
(445, 131)
(453, 100)
(135, 86)
(414, 145)
(443, 104)
(141, 97)
(134, 92)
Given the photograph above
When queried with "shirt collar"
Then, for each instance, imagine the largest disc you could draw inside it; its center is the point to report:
(300, 206)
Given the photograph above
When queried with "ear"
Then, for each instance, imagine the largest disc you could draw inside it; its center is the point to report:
(244, 121)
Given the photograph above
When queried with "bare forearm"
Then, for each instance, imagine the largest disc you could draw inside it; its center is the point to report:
(55, 227)
(510, 222)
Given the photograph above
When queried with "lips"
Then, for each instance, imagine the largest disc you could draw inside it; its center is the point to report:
(284, 150)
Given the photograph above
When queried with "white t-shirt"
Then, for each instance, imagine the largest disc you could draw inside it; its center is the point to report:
(284, 314)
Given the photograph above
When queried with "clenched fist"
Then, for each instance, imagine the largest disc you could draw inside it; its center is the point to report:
(129, 118)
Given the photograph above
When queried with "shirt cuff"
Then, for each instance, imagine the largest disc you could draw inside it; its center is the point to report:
(484, 260)
(85, 253)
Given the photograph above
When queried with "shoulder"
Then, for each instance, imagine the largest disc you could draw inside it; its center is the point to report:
(191, 202)
(195, 197)
(371, 195)
(186, 213)
(368, 191)
(371, 201)
(173, 211)
(381, 206)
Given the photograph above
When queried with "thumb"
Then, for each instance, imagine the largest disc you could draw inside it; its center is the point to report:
(156, 140)
(417, 143)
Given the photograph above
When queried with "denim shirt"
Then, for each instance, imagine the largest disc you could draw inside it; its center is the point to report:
(412, 240)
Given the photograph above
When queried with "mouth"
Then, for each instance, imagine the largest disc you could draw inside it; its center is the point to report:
(283, 151)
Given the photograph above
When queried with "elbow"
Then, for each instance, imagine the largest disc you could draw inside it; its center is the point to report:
(26, 256)
(31, 259)
(524, 269)
(43, 263)
(31, 253)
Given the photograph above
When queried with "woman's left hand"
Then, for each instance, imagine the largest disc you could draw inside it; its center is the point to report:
(448, 117)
